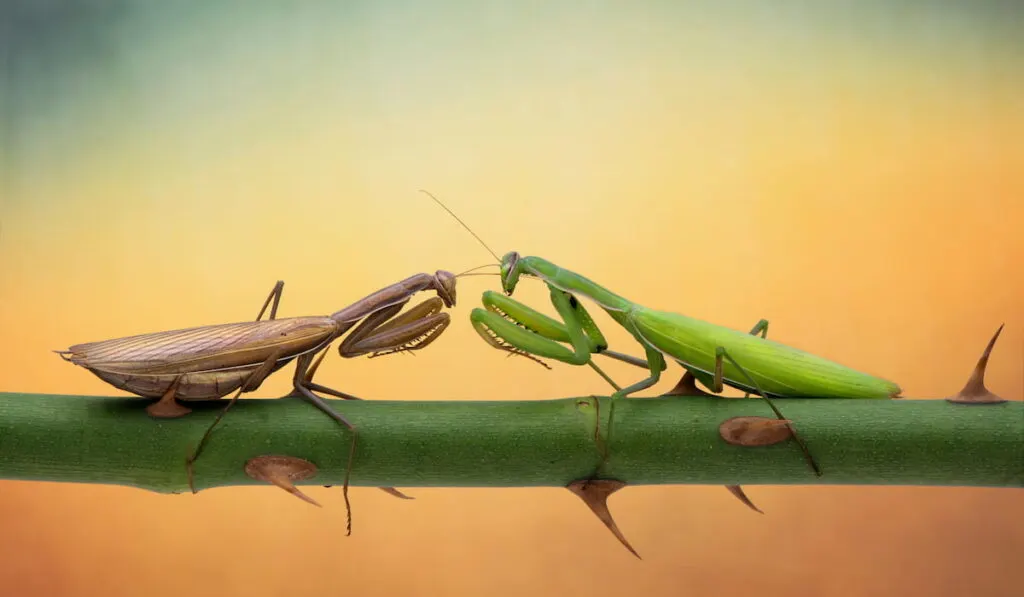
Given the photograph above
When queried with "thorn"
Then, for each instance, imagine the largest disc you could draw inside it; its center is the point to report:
(594, 493)
(396, 493)
(687, 386)
(737, 491)
(281, 471)
(755, 431)
(974, 391)
(167, 407)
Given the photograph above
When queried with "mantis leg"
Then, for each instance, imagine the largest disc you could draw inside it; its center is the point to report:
(382, 332)
(252, 382)
(720, 355)
(625, 358)
(547, 328)
(509, 325)
(307, 370)
(379, 333)
(656, 364)
(761, 328)
(302, 388)
(275, 295)
(305, 388)
(687, 386)
(412, 330)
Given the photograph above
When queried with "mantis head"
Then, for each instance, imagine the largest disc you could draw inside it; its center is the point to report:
(510, 272)
(444, 283)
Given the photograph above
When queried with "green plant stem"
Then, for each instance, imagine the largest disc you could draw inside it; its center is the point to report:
(83, 439)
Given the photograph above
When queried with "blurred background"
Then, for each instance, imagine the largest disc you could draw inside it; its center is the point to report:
(850, 171)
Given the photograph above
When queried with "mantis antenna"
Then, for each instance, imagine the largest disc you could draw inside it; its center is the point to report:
(473, 269)
(459, 220)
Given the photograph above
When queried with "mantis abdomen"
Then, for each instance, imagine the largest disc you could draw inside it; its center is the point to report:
(206, 348)
(780, 370)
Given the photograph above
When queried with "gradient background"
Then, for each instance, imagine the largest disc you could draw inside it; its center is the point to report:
(850, 171)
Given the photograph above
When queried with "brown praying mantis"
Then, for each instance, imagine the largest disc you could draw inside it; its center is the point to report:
(209, 362)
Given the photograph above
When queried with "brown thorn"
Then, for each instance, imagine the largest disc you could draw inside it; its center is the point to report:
(752, 432)
(168, 407)
(687, 386)
(594, 493)
(974, 391)
(281, 471)
(396, 493)
(755, 431)
(737, 491)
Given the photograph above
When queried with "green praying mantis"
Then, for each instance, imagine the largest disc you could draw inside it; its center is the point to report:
(714, 355)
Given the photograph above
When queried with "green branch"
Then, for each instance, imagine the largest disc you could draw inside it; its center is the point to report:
(674, 440)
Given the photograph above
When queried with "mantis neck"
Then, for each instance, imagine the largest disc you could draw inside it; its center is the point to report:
(570, 281)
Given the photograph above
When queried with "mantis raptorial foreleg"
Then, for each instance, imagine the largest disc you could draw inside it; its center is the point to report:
(509, 325)
(381, 331)
(512, 326)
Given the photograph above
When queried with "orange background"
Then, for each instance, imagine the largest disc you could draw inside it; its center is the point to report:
(853, 176)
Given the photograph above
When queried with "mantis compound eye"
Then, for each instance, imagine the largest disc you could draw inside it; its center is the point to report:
(509, 276)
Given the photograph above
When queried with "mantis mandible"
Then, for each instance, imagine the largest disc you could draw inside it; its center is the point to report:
(210, 362)
(714, 355)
